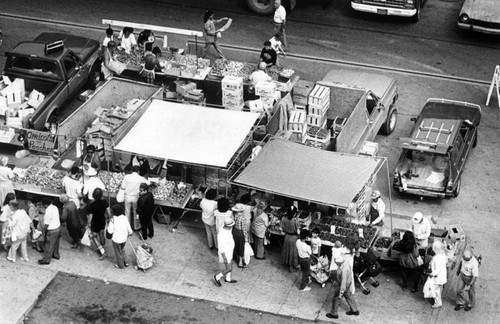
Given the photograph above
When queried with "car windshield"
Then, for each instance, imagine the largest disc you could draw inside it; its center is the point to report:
(32, 65)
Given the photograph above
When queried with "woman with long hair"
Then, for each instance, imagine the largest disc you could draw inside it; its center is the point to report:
(290, 225)
(5, 219)
(408, 261)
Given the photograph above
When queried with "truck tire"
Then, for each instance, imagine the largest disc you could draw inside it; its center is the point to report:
(416, 17)
(261, 7)
(390, 123)
(94, 76)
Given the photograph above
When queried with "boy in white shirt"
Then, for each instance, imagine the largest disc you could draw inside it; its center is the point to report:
(315, 242)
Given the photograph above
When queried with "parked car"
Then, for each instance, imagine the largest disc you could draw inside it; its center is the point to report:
(433, 157)
(481, 16)
(402, 8)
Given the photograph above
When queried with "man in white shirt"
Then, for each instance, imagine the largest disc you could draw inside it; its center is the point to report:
(131, 183)
(467, 276)
(52, 232)
(279, 21)
(225, 241)
(421, 228)
(304, 251)
(92, 182)
(73, 186)
(260, 75)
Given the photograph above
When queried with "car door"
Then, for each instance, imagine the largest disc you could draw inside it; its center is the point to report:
(458, 153)
(75, 74)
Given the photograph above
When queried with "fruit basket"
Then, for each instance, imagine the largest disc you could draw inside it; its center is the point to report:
(39, 179)
(171, 193)
(112, 180)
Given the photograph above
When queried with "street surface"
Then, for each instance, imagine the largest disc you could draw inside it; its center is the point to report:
(434, 45)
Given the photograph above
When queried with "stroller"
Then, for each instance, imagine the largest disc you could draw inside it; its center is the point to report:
(366, 267)
(144, 255)
(319, 271)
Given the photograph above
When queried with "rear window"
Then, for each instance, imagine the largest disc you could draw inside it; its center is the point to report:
(32, 65)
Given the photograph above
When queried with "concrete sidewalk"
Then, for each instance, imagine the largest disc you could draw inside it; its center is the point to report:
(185, 266)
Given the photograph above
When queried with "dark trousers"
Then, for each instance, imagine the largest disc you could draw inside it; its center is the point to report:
(259, 246)
(410, 277)
(121, 258)
(465, 297)
(147, 226)
(349, 298)
(305, 267)
(52, 245)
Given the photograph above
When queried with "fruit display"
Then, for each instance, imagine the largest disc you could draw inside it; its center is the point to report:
(112, 180)
(287, 73)
(194, 203)
(222, 68)
(48, 179)
(165, 190)
(383, 242)
(136, 56)
(342, 230)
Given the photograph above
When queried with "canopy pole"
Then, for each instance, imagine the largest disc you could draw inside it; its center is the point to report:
(389, 187)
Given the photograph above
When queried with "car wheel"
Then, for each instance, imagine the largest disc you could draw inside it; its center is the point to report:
(94, 76)
(456, 191)
(474, 144)
(416, 17)
(261, 7)
(390, 123)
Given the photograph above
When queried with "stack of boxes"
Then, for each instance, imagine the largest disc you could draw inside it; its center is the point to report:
(267, 93)
(297, 125)
(318, 104)
(13, 102)
(232, 93)
(301, 93)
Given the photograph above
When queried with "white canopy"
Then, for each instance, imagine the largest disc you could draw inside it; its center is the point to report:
(188, 133)
(298, 171)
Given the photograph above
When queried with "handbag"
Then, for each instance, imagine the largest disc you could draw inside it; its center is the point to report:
(86, 239)
(248, 253)
(120, 196)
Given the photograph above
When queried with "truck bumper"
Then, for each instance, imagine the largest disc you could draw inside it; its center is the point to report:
(386, 11)
(478, 28)
(422, 192)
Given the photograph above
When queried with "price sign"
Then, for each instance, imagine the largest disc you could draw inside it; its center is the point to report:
(40, 141)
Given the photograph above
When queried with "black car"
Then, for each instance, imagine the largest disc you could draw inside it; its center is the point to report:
(434, 155)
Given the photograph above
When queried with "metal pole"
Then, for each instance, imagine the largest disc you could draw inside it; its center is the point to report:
(389, 185)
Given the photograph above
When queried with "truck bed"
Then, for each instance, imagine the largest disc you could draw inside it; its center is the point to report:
(427, 170)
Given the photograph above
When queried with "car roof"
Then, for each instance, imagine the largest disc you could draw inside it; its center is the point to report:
(433, 135)
(374, 82)
(37, 49)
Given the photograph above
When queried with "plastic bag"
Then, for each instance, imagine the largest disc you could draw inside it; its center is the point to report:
(429, 289)
(86, 238)
(120, 196)
(248, 253)
(36, 234)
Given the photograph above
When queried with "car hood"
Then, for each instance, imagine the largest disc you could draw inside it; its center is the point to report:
(484, 10)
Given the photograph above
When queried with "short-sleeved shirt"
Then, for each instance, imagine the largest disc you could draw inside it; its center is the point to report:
(470, 268)
(51, 217)
(268, 56)
(259, 76)
(131, 183)
(98, 210)
(207, 211)
(279, 15)
(303, 249)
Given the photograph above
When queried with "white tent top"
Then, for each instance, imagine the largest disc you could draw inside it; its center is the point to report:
(188, 133)
(310, 174)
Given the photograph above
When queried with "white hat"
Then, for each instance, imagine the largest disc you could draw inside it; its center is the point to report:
(417, 218)
(376, 194)
(238, 207)
(228, 222)
(91, 172)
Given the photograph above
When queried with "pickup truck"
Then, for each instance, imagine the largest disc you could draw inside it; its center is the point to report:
(58, 75)
(361, 106)
(266, 7)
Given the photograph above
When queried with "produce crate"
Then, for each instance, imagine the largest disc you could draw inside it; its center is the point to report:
(318, 110)
(233, 103)
(319, 96)
(232, 94)
(301, 91)
(369, 148)
(316, 121)
(265, 89)
(382, 245)
(232, 83)
(297, 121)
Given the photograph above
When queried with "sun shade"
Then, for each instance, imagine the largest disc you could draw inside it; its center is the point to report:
(307, 173)
(188, 133)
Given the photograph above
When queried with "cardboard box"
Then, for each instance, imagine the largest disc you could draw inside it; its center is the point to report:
(266, 89)
(255, 105)
(84, 96)
(301, 91)
(232, 83)
(18, 85)
(3, 105)
(369, 148)
(35, 98)
(14, 99)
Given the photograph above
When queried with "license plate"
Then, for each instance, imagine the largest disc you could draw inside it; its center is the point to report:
(382, 11)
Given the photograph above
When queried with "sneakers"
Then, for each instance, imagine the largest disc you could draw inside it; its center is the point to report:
(216, 281)
(10, 259)
(457, 307)
(467, 308)
(352, 313)
(103, 256)
(27, 260)
(43, 262)
(307, 288)
(231, 281)
(436, 306)
(330, 315)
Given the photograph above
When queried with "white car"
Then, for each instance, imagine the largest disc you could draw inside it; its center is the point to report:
(481, 16)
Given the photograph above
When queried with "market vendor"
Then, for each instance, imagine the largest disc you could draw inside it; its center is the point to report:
(110, 65)
(90, 162)
(128, 41)
(6, 174)
(146, 40)
(377, 210)
(421, 228)
(142, 163)
(259, 75)
(151, 65)
(268, 55)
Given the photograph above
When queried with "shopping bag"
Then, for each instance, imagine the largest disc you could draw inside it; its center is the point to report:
(420, 261)
(120, 196)
(429, 289)
(36, 234)
(248, 253)
(86, 238)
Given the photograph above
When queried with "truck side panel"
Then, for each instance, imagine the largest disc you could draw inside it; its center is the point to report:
(355, 131)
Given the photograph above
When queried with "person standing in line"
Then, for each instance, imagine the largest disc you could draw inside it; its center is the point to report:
(290, 225)
(226, 249)
(377, 210)
(259, 228)
(6, 174)
(279, 21)
(304, 251)
(99, 214)
(73, 186)
(212, 34)
(438, 272)
(222, 213)
(467, 273)
(52, 234)
(208, 207)
(145, 210)
(131, 183)
(72, 219)
(240, 234)
(121, 230)
(21, 226)
(91, 183)
(343, 288)
(421, 228)
(5, 219)
(408, 261)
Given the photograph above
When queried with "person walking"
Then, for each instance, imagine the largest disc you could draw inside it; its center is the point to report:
(52, 234)
(121, 230)
(73, 186)
(212, 35)
(290, 225)
(467, 273)
(304, 251)
(226, 248)
(208, 207)
(421, 228)
(222, 213)
(145, 210)
(343, 288)
(377, 210)
(279, 21)
(99, 214)
(438, 272)
(21, 226)
(131, 183)
(259, 227)
(72, 219)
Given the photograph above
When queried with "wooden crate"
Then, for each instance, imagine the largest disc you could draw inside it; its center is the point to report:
(316, 120)
(297, 121)
(319, 96)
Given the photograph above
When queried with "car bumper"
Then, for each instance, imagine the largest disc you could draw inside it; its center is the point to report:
(480, 29)
(423, 192)
(380, 10)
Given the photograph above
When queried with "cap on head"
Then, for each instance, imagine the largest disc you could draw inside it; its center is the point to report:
(228, 222)
(262, 65)
(375, 194)
(417, 218)
(91, 172)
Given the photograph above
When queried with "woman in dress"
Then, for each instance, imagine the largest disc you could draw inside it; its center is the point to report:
(438, 272)
(290, 225)
(99, 214)
(5, 218)
(21, 226)
(240, 234)
(259, 228)
(6, 175)
(221, 213)
(208, 206)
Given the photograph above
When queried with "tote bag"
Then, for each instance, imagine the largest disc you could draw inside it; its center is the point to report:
(120, 196)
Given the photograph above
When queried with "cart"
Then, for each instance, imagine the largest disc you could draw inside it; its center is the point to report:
(144, 256)
(320, 271)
